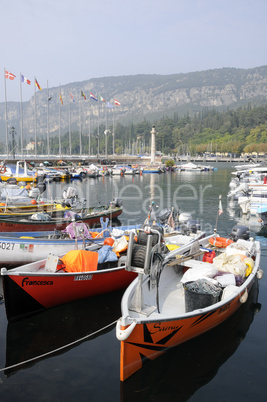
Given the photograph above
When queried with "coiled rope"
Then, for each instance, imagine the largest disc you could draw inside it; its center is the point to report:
(58, 349)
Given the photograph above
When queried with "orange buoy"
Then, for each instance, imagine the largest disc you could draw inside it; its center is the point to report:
(109, 241)
(220, 242)
(33, 202)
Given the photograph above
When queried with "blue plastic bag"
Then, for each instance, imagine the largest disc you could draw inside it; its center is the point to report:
(106, 254)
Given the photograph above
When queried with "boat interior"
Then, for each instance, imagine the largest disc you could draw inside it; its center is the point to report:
(207, 274)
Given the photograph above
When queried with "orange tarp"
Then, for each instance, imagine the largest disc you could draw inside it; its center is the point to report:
(80, 261)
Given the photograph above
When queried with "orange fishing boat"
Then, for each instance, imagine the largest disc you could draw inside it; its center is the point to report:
(182, 294)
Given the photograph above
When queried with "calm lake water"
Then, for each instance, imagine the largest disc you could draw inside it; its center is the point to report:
(228, 363)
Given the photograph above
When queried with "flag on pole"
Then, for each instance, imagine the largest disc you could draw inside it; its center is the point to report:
(110, 105)
(61, 100)
(101, 99)
(170, 221)
(24, 79)
(220, 209)
(82, 94)
(117, 102)
(93, 96)
(37, 84)
(72, 98)
(9, 75)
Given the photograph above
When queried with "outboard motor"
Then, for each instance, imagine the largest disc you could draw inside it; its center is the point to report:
(191, 226)
(34, 192)
(69, 197)
(240, 232)
(118, 202)
(165, 214)
(41, 186)
(184, 217)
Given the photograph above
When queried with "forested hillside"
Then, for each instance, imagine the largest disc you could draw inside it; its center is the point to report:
(221, 109)
(241, 130)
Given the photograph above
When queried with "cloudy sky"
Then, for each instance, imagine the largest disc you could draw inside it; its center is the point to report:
(63, 41)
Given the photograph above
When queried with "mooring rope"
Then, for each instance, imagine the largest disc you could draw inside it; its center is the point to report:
(58, 349)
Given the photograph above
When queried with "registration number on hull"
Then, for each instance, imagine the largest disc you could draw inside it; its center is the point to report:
(83, 277)
(7, 246)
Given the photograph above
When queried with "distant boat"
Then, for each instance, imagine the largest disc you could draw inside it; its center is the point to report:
(19, 172)
(151, 169)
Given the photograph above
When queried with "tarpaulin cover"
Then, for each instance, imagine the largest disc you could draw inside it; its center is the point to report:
(80, 261)
(77, 229)
(106, 254)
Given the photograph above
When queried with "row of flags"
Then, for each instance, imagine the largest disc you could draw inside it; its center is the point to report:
(10, 76)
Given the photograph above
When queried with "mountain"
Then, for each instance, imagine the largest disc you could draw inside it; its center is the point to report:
(141, 96)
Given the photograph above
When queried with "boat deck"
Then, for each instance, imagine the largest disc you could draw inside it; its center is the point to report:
(171, 301)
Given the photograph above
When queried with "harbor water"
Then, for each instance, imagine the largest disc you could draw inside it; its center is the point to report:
(71, 353)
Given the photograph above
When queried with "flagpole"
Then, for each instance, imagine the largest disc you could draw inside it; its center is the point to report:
(35, 118)
(59, 122)
(89, 135)
(113, 134)
(21, 119)
(106, 132)
(80, 126)
(98, 131)
(69, 129)
(6, 114)
(48, 148)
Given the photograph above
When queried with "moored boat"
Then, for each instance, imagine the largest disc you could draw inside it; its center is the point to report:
(43, 284)
(50, 271)
(18, 172)
(23, 248)
(151, 169)
(44, 222)
(199, 359)
(180, 295)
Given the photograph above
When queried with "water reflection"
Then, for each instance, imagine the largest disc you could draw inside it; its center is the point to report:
(57, 327)
(179, 373)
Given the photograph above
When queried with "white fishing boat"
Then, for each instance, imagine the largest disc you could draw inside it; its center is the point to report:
(250, 203)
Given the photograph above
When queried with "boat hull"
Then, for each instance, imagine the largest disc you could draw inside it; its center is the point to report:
(27, 249)
(148, 341)
(26, 293)
(16, 225)
(24, 210)
(26, 179)
(151, 339)
(157, 318)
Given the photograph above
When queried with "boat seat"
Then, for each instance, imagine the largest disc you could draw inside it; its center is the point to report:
(196, 264)
(51, 263)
